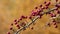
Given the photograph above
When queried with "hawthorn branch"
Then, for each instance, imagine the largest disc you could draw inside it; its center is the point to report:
(26, 26)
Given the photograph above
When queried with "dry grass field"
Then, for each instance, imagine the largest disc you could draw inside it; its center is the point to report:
(13, 9)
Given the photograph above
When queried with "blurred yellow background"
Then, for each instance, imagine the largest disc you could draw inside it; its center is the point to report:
(13, 9)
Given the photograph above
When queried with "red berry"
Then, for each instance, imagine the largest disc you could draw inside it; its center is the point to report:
(30, 17)
(34, 13)
(18, 25)
(40, 10)
(48, 24)
(57, 5)
(32, 28)
(46, 7)
(56, 26)
(15, 20)
(45, 2)
(15, 23)
(58, 11)
(48, 3)
(8, 32)
(40, 5)
(20, 19)
(22, 16)
(12, 24)
(54, 23)
(53, 15)
(11, 28)
(43, 7)
(53, 20)
(36, 7)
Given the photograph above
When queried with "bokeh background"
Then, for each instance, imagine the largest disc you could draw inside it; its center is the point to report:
(13, 9)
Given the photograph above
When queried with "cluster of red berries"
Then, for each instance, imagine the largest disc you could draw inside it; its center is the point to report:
(39, 12)
(16, 23)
